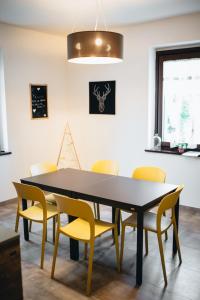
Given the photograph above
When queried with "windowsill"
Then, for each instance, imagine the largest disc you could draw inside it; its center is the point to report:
(5, 153)
(166, 151)
(170, 151)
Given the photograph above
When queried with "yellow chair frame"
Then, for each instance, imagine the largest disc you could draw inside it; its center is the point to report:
(149, 173)
(155, 223)
(84, 228)
(110, 167)
(39, 213)
(42, 168)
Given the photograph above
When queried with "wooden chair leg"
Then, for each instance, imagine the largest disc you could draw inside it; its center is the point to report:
(17, 222)
(54, 229)
(90, 264)
(55, 253)
(166, 234)
(121, 220)
(117, 247)
(162, 257)
(146, 243)
(46, 236)
(122, 245)
(43, 244)
(30, 223)
(85, 250)
(177, 242)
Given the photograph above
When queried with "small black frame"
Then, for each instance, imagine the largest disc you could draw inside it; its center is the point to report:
(102, 97)
(39, 101)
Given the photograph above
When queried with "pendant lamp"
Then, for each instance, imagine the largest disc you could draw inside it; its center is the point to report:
(95, 47)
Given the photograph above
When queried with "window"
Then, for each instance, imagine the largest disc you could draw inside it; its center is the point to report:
(178, 95)
(3, 119)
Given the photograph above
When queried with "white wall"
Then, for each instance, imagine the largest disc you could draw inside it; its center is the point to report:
(124, 136)
(31, 57)
(40, 58)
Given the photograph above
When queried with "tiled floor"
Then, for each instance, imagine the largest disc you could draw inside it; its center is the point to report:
(108, 284)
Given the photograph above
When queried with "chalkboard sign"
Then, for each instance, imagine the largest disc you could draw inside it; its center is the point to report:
(39, 106)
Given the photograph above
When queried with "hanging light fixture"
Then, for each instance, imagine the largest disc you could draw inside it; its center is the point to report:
(95, 47)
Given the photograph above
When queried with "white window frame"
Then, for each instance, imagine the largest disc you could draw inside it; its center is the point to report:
(3, 113)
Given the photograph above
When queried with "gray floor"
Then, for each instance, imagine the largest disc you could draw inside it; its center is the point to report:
(184, 281)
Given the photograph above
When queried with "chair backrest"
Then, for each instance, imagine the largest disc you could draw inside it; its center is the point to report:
(42, 168)
(168, 202)
(76, 208)
(149, 173)
(110, 167)
(30, 193)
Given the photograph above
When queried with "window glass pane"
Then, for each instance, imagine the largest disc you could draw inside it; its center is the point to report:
(181, 101)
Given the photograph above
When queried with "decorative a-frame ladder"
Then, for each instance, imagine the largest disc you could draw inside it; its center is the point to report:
(68, 157)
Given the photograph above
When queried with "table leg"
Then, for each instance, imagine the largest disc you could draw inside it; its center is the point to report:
(74, 245)
(25, 221)
(118, 220)
(139, 263)
(177, 222)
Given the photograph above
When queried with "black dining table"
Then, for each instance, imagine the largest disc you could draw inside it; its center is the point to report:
(114, 191)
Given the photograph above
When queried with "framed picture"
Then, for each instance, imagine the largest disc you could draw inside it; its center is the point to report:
(39, 105)
(102, 97)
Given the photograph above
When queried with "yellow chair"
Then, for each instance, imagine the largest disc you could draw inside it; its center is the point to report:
(154, 174)
(42, 168)
(85, 228)
(157, 223)
(150, 174)
(40, 212)
(110, 167)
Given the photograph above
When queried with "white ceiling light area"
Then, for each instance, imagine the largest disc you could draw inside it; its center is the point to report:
(61, 16)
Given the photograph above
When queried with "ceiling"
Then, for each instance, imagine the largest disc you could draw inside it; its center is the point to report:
(61, 16)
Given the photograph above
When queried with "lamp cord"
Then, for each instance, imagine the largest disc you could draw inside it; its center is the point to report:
(99, 13)
(103, 15)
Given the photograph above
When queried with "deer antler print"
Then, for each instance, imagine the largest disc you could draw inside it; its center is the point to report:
(102, 98)
(96, 91)
(108, 90)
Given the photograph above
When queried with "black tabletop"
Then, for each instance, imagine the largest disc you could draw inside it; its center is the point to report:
(116, 191)
(128, 193)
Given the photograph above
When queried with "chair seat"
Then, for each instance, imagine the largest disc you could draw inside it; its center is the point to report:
(149, 221)
(80, 229)
(35, 212)
(50, 198)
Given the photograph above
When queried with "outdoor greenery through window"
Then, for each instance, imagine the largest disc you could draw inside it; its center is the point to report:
(178, 96)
